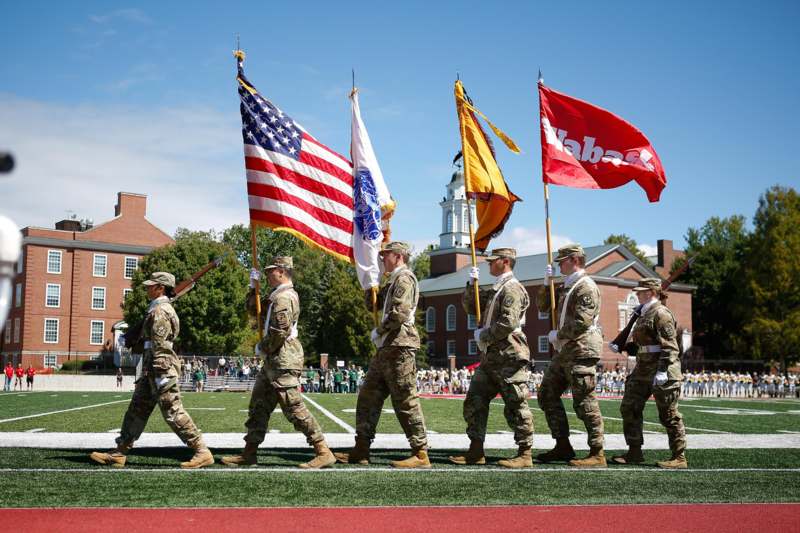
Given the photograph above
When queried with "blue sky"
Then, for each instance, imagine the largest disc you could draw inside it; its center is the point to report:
(97, 97)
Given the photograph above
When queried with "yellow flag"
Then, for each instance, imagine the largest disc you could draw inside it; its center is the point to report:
(482, 177)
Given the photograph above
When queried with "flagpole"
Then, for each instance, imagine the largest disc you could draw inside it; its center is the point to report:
(540, 81)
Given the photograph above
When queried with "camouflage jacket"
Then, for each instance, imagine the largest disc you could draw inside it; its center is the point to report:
(161, 327)
(657, 341)
(503, 306)
(579, 335)
(398, 298)
(280, 346)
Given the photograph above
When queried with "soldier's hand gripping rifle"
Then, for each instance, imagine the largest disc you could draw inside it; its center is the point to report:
(620, 343)
(133, 336)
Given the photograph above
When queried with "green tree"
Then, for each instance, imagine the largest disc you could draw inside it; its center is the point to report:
(212, 316)
(772, 275)
(421, 264)
(630, 244)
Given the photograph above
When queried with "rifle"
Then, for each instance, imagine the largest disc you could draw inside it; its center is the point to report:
(133, 336)
(620, 341)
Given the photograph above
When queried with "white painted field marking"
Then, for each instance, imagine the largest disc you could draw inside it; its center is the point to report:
(37, 430)
(787, 431)
(84, 396)
(276, 410)
(736, 412)
(390, 411)
(205, 408)
(341, 423)
(60, 411)
(403, 471)
(117, 396)
(117, 430)
(53, 395)
(273, 431)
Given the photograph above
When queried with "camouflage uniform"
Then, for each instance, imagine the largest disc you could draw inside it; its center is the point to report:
(504, 360)
(278, 382)
(579, 344)
(656, 349)
(393, 370)
(159, 381)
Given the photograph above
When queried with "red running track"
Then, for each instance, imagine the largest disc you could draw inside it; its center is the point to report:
(501, 519)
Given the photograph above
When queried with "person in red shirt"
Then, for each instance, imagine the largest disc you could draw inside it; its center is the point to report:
(20, 373)
(29, 373)
(9, 371)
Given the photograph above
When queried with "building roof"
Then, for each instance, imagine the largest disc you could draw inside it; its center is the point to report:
(530, 269)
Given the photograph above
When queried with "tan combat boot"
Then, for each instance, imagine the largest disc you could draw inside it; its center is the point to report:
(419, 459)
(202, 457)
(323, 457)
(247, 458)
(595, 459)
(474, 455)
(522, 459)
(562, 452)
(677, 461)
(632, 457)
(359, 455)
(115, 457)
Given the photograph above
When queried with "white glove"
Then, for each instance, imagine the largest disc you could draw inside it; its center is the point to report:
(613, 347)
(548, 273)
(477, 335)
(660, 379)
(376, 338)
(255, 275)
(160, 382)
(553, 336)
(475, 273)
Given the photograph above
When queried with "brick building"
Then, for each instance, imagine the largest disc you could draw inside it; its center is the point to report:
(71, 282)
(613, 267)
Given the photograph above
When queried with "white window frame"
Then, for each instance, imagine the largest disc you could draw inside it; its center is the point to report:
(125, 267)
(102, 332)
(430, 319)
(49, 360)
(125, 293)
(544, 344)
(18, 295)
(17, 328)
(47, 288)
(451, 347)
(9, 327)
(44, 332)
(53, 253)
(95, 257)
(472, 322)
(447, 316)
(20, 263)
(104, 299)
(472, 347)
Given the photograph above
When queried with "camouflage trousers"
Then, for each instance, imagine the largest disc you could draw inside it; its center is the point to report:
(582, 379)
(485, 385)
(392, 372)
(637, 391)
(146, 394)
(279, 387)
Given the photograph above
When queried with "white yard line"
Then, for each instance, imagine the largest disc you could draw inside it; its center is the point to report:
(341, 423)
(60, 411)
(205, 408)
(36, 430)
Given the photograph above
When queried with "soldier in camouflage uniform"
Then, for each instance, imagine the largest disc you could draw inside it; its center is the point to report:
(159, 382)
(278, 382)
(578, 342)
(393, 370)
(504, 361)
(658, 372)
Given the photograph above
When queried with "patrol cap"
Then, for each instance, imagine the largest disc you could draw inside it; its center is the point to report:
(396, 247)
(568, 251)
(160, 278)
(502, 253)
(648, 284)
(281, 261)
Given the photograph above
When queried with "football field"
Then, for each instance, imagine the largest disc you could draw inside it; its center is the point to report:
(739, 451)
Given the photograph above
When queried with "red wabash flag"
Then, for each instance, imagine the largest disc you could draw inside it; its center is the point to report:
(587, 147)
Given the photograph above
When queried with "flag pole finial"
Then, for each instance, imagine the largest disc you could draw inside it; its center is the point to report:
(540, 80)
(353, 89)
(238, 53)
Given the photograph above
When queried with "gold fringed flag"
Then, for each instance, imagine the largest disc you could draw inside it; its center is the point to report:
(482, 176)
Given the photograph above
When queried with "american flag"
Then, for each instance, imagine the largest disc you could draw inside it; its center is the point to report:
(294, 182)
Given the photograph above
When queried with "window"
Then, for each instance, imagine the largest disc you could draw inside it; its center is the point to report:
(9, 327)
(100, 264)
(544, 316)
(54, 261)
(18, 295)
(131, 264)
(451, 348)
(125, 293)
(431, 347)
(451, 317)
(51, 330)
(52, 295)
(50, 360)
(544, 344)
(625, 310)
(96, 332)
(472, 347)
(98, 298)
(449, 221)
(430, 319)
(16, 330)
(20, 263)
(472, 322)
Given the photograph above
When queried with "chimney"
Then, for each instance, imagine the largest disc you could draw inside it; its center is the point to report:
(666, 256)
(69, 224)
(130, 204)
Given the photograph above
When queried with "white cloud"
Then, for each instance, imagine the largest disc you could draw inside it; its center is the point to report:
(648, 250)
(529, 241)
(128, 14)
(187, 160)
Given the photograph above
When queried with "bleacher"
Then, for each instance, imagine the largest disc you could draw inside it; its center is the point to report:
(219, 384)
